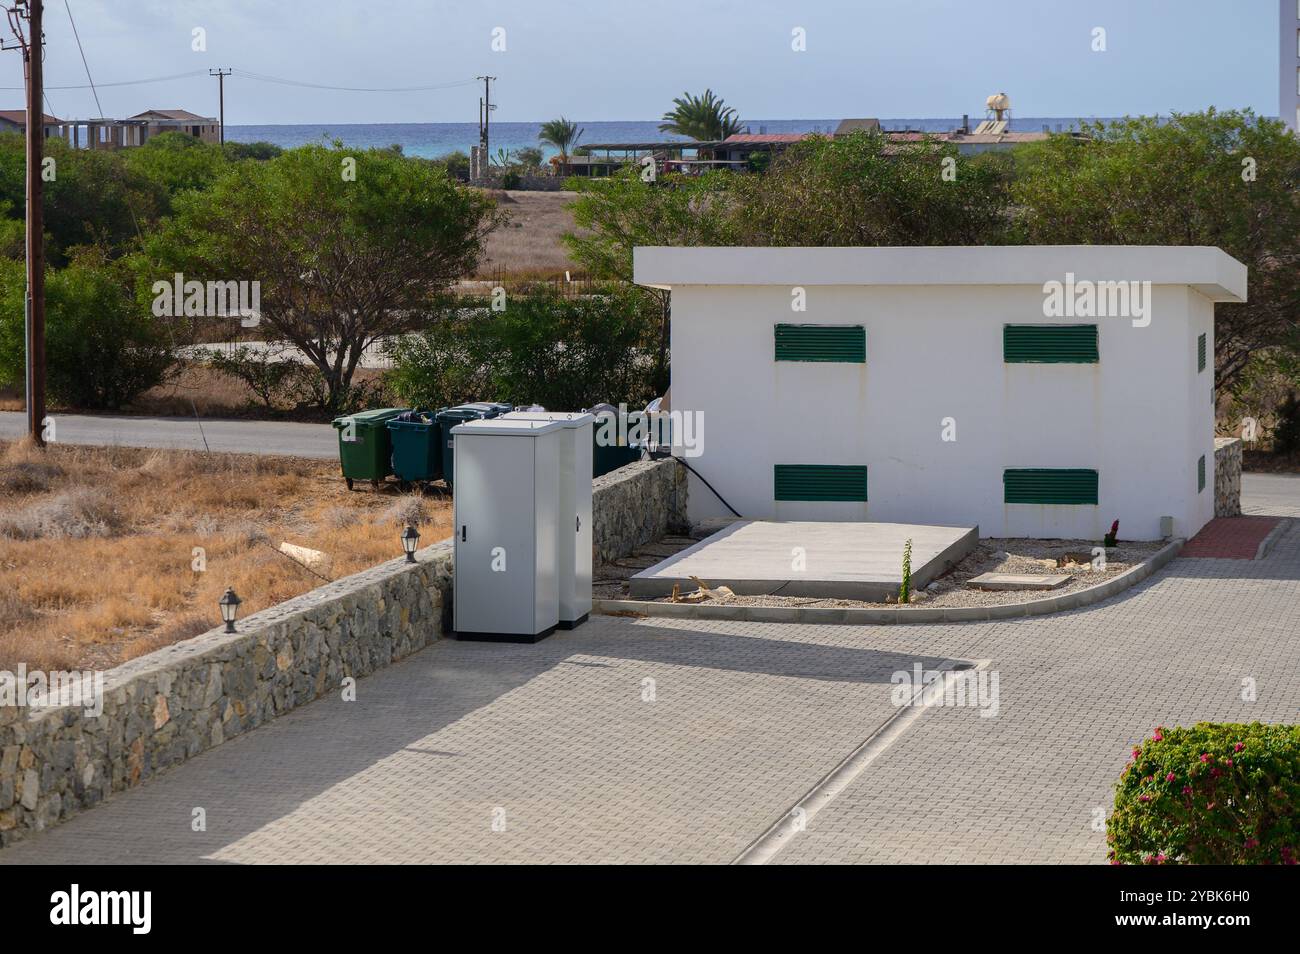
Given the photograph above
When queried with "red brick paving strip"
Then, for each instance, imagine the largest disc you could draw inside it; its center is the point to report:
(1230, 538)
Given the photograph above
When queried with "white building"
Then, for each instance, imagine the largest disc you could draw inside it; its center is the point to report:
(1289, 54)
(930, 385)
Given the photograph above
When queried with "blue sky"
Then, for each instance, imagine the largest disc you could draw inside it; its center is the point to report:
(625, 59)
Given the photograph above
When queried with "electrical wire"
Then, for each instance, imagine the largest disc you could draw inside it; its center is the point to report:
(77, 37)
(264, 78)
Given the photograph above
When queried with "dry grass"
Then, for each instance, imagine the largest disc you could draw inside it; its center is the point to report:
(529, 246)
(97, 544)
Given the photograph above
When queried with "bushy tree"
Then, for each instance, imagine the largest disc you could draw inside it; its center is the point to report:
(862, 189)
(102, 348)
(564, 353)
(706, 118)
(348, 246)
(1227, 179)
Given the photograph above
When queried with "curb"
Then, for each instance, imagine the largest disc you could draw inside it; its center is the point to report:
(937, 614)
(1274, 535)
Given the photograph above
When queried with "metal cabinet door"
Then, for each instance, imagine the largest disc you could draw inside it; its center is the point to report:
(582, 484)
(495, 542)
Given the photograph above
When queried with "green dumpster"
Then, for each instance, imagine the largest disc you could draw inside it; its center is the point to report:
(364, 448)
(610, 450)
(417, 446)
(448, 418)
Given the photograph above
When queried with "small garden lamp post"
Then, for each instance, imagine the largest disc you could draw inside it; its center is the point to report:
(229, 604)
(410, 540)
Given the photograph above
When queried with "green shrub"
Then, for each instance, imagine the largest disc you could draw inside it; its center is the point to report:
(1211, 794)
(1286, 433)
(273, 378)
(544, 348)
(102, 347)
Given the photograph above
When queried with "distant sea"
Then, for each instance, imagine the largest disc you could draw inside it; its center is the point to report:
(430, 140)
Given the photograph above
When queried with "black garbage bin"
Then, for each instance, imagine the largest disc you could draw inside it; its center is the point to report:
(449, 417)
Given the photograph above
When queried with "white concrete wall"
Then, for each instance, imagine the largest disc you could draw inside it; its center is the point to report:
(1140, 417)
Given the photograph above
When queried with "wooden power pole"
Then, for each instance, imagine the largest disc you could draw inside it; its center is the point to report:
(486, 108)
(221, 98)
(32, 51)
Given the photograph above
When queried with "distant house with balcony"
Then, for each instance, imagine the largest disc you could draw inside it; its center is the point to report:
(117, 133)
(156, 121)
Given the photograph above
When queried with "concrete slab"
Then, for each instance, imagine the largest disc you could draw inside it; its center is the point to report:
(1018, 581)
(856, 561)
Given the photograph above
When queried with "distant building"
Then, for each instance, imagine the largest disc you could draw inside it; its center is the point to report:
(847, 126)
(1289, 56)
(117, 133)
(205, 128)
(15, 120)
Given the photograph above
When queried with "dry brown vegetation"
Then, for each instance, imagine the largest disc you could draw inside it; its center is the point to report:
(529, 245)
(96, 544)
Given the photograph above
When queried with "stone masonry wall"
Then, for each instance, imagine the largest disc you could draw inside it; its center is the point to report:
(172, 704)
(1227, 476)
(636, 504)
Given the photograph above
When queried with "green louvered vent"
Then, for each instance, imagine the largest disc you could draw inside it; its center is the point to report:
(1049, 344)
(843, 343)
(1041, 486)
(1200, 474)
(819, 482)
(1200, 354)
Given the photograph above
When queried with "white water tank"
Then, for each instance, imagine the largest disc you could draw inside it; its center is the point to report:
(506, 585)
(574, 557)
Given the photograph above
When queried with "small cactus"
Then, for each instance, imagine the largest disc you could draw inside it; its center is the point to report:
(905, 591)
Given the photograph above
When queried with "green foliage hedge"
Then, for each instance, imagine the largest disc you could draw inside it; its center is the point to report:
(1212, 794)
(543, 348)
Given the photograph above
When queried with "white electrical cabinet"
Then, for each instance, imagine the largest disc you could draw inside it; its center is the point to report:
(506, 584)
(574, 557)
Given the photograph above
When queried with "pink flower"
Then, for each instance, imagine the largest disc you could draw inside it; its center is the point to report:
(1136, 753)
(1187, 789)
(1239, 746)
(1169, 777)
(1205, 757)
(1144, 798)
(1227, 761)
(1158, 735)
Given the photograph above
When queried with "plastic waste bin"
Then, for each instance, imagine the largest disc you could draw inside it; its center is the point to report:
(417, 446)
(449, 417)
(364, 449)
(610, 447)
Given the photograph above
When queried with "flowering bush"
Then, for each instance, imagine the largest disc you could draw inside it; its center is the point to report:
(1212, 794)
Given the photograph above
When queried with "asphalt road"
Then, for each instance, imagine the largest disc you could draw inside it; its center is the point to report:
(185, 433)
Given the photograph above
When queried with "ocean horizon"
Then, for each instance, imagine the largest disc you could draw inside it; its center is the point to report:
(430, 140)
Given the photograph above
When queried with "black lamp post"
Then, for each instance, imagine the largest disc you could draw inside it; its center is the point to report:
(229, 604)
(410, 540)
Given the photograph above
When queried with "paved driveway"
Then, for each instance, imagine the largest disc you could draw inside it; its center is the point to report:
(658, 740)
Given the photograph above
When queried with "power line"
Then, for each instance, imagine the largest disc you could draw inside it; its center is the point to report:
(137, 82)
(80, 50)
(282, 81)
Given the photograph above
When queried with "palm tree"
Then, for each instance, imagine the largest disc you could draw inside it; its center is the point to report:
(562, 134)
(705, 118)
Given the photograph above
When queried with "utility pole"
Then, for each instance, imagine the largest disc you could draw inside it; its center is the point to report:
(221, 98)
(486, 107)
(33, 46)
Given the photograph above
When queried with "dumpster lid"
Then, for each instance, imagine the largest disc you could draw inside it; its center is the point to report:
(506, 427)
(563, 418)
(375, 416)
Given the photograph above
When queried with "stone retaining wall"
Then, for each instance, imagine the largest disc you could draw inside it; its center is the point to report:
(636, 504)
(1227, 476)
(170, 705)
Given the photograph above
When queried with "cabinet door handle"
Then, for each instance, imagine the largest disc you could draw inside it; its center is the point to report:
(578, 527)
(462, 533)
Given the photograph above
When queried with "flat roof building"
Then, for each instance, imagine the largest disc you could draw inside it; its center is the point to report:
(1037, 391)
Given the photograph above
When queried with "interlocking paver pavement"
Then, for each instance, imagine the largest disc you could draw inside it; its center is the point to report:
(746, 718)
